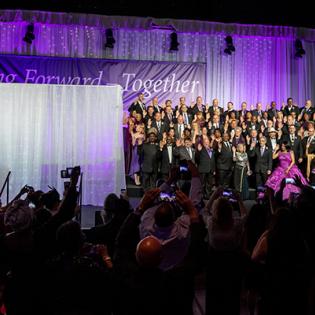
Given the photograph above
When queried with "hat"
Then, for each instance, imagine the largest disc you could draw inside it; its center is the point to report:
(272, 130)
(152, 130)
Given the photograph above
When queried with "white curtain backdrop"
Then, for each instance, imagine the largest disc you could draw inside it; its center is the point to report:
(46, 128)
(262, 68)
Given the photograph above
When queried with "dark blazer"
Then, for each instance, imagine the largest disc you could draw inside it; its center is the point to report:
(165, 161)
(157, 109)
(189, 116)
(137, 107)
(164, 128)
(211, 110)
(205, 163)
(309, 111)
(255, 112)
(240, 113)
(176, 128)
(287, 111)
(263, 163)
(311, 149)
(170, 120)
(235, 141)
(272, 113)
(225, 158)
(149, 154)
(296, 146)
(195, 110)
(182, 153)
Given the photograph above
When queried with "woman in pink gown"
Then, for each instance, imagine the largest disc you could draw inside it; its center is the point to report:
(285, 170)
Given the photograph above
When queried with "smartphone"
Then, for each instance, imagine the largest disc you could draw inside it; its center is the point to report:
(166, 197)
(289, 181)
(227, 193)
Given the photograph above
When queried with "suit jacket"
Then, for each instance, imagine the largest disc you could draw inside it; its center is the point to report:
(165, 161)
(211, 110)
(255, 112)
(309, 111)
(240, 113)
(296, 146)
(263, 162)
(164, 128)
(205, 163)
(272, 113)
(189, 117)
(235, 141)
(287, 111)
(157, 109)
(195, 109)
(170, 120)
(149, 154)
(269, 143)
(311, 149)
(137, 106)
(176, 127)
(182, 153)
(225, 158)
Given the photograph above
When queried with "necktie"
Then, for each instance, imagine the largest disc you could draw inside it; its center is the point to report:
(186, 119)
(190, 153)
(309, 140)
(181, 130)
(262, 149)
(159, 126)
(209, 153)
(292, 138)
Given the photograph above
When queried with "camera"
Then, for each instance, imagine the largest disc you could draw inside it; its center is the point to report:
(68, 171)
(28, 188)
(227, 193)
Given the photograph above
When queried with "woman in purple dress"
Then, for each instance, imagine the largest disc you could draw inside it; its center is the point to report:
(285, 170)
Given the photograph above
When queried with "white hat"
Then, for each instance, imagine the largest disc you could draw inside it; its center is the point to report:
(272, 130)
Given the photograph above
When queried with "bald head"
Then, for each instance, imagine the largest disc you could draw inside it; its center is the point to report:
(149, 252)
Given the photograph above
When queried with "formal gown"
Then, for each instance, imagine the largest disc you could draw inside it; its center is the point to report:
(275, 179)
(135, 159)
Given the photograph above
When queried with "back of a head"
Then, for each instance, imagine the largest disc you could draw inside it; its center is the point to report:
(149, 252)
(69, 237)
(18, 216)
(111, 203)
(222, 212)
(36, 198)
(50, 199)
(164, 215)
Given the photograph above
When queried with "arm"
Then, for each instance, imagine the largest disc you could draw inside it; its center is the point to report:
(292, 162)
(260, 251)
(275, 154)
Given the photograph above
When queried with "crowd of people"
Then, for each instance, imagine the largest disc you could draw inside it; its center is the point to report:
(249, 147)
(146, 260)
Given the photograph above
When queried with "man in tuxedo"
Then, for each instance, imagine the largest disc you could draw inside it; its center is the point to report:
(186, 151)
(179, 127)
(225, 161)
(149, 116)
(272, 112)
(149, 154)
(198, 107)
(216, 124)
(253, 124)
(263, 164)
(243, 111)
(295, 143)
(138, 105)
(272, 139)
(205, 159)
(290, 107)
(230, 110)
(159, 125)
(215, 106)
(258, 110)
(168, 159)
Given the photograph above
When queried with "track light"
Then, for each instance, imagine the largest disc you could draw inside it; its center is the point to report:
(229, 45)
(174, 42)
(110, 40)
(299, 50)
(29, 35)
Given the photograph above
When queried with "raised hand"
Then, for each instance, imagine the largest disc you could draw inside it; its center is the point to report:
(178, 143)
(199, 147)
(233, 150)
(148, 199)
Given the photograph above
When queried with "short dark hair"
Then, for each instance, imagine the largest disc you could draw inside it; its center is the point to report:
(164, 215)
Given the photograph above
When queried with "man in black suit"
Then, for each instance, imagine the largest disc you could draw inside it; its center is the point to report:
(290, 107)
(243, 111)
(272, 112)
(138, 105)
(179, 127)
(310, 142)
(155, 104)
(307, 109)
(169, 117)
(198, 107)
(185, 151)
(205, 159)
(215, 106)
(295, 143)
(225, 161)
(149, 154)
(230, 110)
(159, 125)
(186, 115)
(258, 111)
(263, 164)
(168, 159)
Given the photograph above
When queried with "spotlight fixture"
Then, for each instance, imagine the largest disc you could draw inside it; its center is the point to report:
(29, 35)
(229, 45)
(110, 40)
(299, 50)
(174, 42)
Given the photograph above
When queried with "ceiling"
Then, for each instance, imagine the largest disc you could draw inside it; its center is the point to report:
(241, 11)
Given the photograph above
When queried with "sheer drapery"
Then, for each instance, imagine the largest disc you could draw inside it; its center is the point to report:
(46, 128)
(261, 69)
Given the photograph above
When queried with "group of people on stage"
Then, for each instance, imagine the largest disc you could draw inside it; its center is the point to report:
(249, 147)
